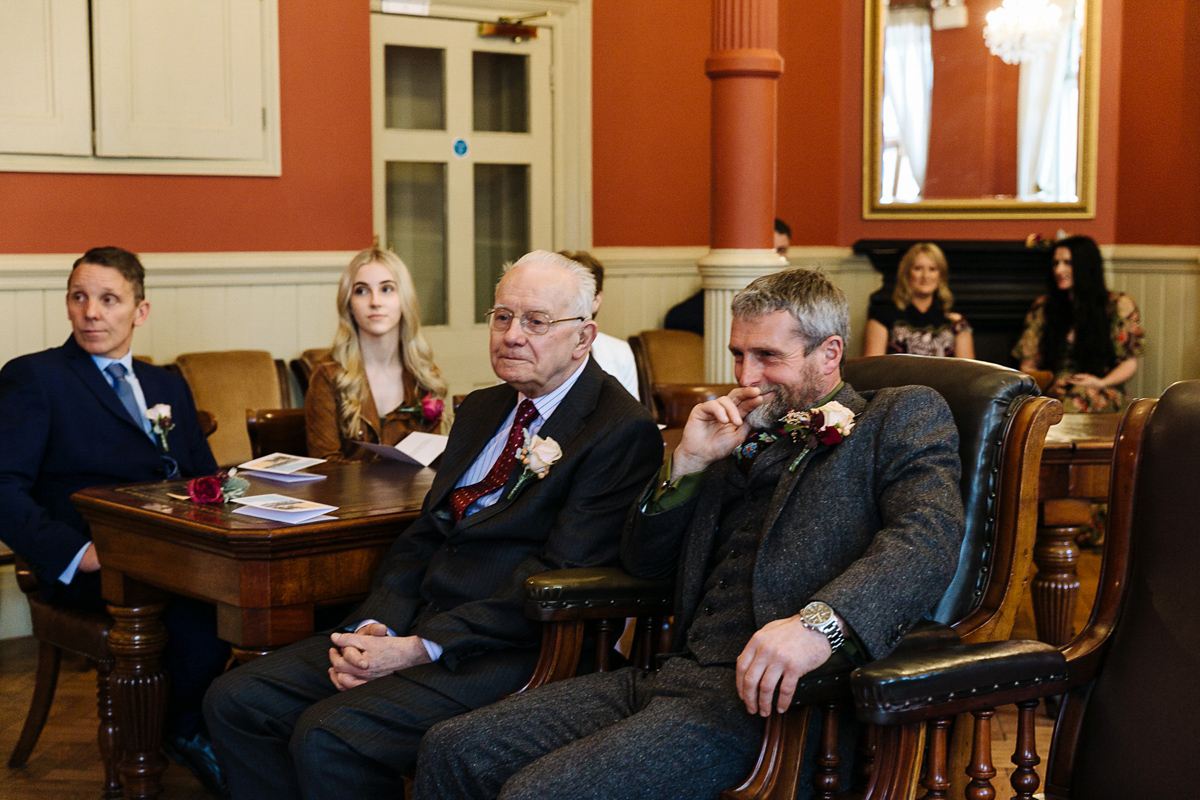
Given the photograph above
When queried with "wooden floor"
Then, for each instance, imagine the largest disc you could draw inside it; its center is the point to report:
(65, 765)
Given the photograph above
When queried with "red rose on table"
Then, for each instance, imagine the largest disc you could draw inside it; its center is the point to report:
(206, 489)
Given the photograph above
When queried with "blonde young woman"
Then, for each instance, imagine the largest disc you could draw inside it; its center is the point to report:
(918, 319)
(380, 382)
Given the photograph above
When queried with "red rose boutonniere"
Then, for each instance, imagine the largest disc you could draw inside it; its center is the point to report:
(430, 409)
(828, 424)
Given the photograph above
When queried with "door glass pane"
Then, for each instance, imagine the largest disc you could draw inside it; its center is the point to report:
(501, 225)
(501, 92)
(414, 88)
(416, 230)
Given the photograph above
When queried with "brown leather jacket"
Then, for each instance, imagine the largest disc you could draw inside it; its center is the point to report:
(322, 416)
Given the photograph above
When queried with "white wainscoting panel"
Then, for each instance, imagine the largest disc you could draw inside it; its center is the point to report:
(1165, 283)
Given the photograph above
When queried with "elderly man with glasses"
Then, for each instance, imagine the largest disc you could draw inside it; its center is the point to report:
(538, 474)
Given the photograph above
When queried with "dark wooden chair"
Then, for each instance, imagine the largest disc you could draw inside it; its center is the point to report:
(276, 430)
(302, 367)
(668, 357)
(1130, 678)
(676, 400)
(1002, 427)
(85, 633)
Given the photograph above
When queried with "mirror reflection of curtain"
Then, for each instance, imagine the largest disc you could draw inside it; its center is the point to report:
(1048, 115)
(907, 90)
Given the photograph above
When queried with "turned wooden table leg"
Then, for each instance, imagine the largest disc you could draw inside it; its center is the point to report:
(139, 689)
(1055, 588)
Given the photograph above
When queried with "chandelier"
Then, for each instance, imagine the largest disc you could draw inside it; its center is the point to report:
(1020, 29)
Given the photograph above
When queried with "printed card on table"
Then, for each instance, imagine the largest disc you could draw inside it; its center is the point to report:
(280, 508)
(283, 467)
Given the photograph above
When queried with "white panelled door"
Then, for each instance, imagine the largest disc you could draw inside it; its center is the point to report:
(463, 169)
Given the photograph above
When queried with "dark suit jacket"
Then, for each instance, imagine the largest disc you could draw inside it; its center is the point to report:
(871, 525)
(461, 584)
(62, 429)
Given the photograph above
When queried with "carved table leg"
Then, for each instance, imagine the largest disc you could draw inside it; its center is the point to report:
(1056, 585)
(139, 689)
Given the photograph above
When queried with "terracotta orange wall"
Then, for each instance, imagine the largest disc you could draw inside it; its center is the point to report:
(1158, 179)
(973, 148)
(1149, 137)
(650, 112)
(322, 201)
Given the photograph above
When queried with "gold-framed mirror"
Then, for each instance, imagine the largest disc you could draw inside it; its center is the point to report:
(952, 131)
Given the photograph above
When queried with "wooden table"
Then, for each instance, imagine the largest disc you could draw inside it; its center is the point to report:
(265, 578)
(1075, 468)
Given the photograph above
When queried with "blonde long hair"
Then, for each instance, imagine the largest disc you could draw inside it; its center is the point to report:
(416, 357)
(902, 295)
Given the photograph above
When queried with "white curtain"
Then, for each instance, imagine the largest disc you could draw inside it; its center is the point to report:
(908, 84)
(1048, 116)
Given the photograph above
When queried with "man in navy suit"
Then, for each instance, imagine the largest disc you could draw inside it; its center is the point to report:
(74, 416)
(444, 630)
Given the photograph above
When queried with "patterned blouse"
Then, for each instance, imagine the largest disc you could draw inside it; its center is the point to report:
(1125, 327)
(922, 333)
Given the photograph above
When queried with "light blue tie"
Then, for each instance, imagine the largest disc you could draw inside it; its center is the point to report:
(116, 372)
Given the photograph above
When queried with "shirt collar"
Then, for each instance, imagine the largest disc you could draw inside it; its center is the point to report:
(126, 361)
(549, 401)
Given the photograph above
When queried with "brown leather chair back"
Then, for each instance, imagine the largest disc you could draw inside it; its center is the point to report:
(666, 357)
(226, 383)
(1137, 731)
(303, 367)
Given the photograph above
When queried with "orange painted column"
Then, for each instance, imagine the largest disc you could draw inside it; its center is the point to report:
(744, 68)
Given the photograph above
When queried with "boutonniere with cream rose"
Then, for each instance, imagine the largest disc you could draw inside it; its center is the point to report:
(827, 424)
(538, 455)
(160, 423)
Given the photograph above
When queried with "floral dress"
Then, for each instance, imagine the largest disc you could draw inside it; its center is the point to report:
(923, 333)
(1125, 327)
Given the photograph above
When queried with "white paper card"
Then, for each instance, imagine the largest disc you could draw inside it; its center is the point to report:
(284, 477)
(417, 448)
(281, 463)
(281, 508)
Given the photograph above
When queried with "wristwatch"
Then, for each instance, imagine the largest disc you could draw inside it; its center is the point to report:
(819, 617)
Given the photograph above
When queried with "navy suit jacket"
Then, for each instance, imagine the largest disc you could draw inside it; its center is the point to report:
(62, 429)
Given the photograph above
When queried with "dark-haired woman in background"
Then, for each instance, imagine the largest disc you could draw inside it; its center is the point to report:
(1089, 337)
(918, 320)
(380, 382)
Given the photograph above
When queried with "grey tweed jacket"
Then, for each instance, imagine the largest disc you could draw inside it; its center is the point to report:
(871, 525)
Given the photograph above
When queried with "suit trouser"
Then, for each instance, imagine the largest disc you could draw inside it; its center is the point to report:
(281, 729)
(678, 733)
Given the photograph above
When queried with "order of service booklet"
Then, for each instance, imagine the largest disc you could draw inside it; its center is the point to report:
(283, 467)
(280, 508)
(416, 448)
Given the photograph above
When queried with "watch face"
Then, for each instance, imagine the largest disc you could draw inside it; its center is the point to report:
(816, 613)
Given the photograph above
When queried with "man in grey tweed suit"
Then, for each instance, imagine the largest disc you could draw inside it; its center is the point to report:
(784, 549)
(444, 630)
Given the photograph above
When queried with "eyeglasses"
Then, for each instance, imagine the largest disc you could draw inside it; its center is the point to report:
(535, 323)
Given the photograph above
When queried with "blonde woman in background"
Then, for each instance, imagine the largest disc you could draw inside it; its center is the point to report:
(918, 319)
(380, 382)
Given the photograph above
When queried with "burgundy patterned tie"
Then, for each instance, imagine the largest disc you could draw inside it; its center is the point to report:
(463, 496)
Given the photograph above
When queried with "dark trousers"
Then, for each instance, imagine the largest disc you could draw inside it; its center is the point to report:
(281, 729)
(679, 733)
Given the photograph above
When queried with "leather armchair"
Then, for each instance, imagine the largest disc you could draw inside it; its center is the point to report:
(276, 430)
(1002, 427)
(666, 357)
(1131, 677)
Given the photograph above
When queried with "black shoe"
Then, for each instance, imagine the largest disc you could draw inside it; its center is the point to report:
(195, 753)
